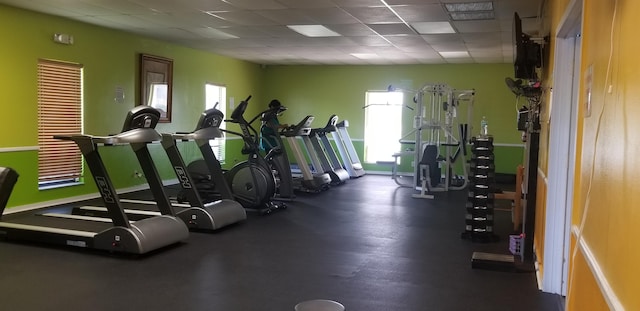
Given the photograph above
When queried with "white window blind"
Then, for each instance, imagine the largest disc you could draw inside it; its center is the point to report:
(59, 113)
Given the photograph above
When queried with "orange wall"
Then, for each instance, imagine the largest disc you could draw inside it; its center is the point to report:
(606, 182)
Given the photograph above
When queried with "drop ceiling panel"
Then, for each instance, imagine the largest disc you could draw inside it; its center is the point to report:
(477, 26)
(352, 30)
(449, 46)
(445, 37)
(261, 24)
(420, 13)
(370, 41)
(255, 4)
(286, 17)
(358, 3)
(403, 2)
(306, 4)
(374, 15)
(244, 18)
(326, 16)
(391, 29)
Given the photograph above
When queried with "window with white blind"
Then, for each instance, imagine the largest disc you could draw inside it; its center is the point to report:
(382, 125)
(59, 113)
(216, 94)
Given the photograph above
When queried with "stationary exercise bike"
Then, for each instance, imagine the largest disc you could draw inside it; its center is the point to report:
(252, 181)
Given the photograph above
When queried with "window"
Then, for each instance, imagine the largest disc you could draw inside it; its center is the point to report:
(216, 96)
(59, 113)
(382, 125)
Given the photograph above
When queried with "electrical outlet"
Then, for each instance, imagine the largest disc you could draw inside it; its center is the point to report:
(413, 163)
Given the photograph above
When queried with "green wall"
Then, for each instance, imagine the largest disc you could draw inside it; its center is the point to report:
(110, 60)
(325, 90)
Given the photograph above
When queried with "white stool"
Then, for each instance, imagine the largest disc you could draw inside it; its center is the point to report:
(319, 305)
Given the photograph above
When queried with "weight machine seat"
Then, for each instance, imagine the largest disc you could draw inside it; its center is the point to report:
(8, 178)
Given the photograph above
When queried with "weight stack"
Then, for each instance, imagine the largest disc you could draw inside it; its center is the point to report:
(480, 201)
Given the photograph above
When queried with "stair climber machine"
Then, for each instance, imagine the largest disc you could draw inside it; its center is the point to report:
(116, 233)
(197, 214)
(347, 150)
(326, 155)
(278, 159)
(308, 181)
(252, 181)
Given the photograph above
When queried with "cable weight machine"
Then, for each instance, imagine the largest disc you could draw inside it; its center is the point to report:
(436, 146)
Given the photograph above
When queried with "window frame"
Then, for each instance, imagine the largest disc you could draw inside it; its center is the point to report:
(217, 145)
(60, 112)
(392, 145)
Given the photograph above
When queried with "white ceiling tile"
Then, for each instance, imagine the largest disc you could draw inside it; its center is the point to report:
(256, 4)
(286, 17)
(370, 41)
(244, 18)
(420, 13)
(477, 26)
(276, 31)
(377, 15)
(325, 16)
(263, 37)
(448, 46)
(132, 21)
(358, 3)
(445, 37)
(305, 4)
(411, 40)
(409, 2)
(198, 18)
(468, 60)
(490, 37)
(391, 29)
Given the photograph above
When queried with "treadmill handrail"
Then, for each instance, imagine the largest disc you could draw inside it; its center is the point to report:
(140, 135)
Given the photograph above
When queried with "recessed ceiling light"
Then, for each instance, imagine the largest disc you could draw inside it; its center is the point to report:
(469, 6)
(468, 16)
(425, 28)
(456, 54)
(313, 30)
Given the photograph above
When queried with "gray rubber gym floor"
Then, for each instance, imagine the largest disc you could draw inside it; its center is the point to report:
(366, 244)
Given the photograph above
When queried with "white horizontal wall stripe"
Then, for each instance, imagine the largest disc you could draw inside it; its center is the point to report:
(608, 293)
(18, 149)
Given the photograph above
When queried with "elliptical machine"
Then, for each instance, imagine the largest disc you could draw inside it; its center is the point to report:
(276, 156)
(252, 181)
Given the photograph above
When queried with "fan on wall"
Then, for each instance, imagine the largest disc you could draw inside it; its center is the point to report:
(520, 89)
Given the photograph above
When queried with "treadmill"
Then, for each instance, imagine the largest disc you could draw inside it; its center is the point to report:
(326, 154)
(309, 181)
(116, 233)
(347, 151)
(197, 214)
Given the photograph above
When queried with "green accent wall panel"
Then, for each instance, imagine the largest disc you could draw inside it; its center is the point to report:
(110, 61)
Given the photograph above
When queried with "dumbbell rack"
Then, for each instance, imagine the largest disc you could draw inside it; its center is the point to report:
(480, 201)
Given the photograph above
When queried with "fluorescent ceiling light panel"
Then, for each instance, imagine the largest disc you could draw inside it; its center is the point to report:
(313, 30)
(458, 54)
(426, 28)
(469, 6)
(469, 16)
